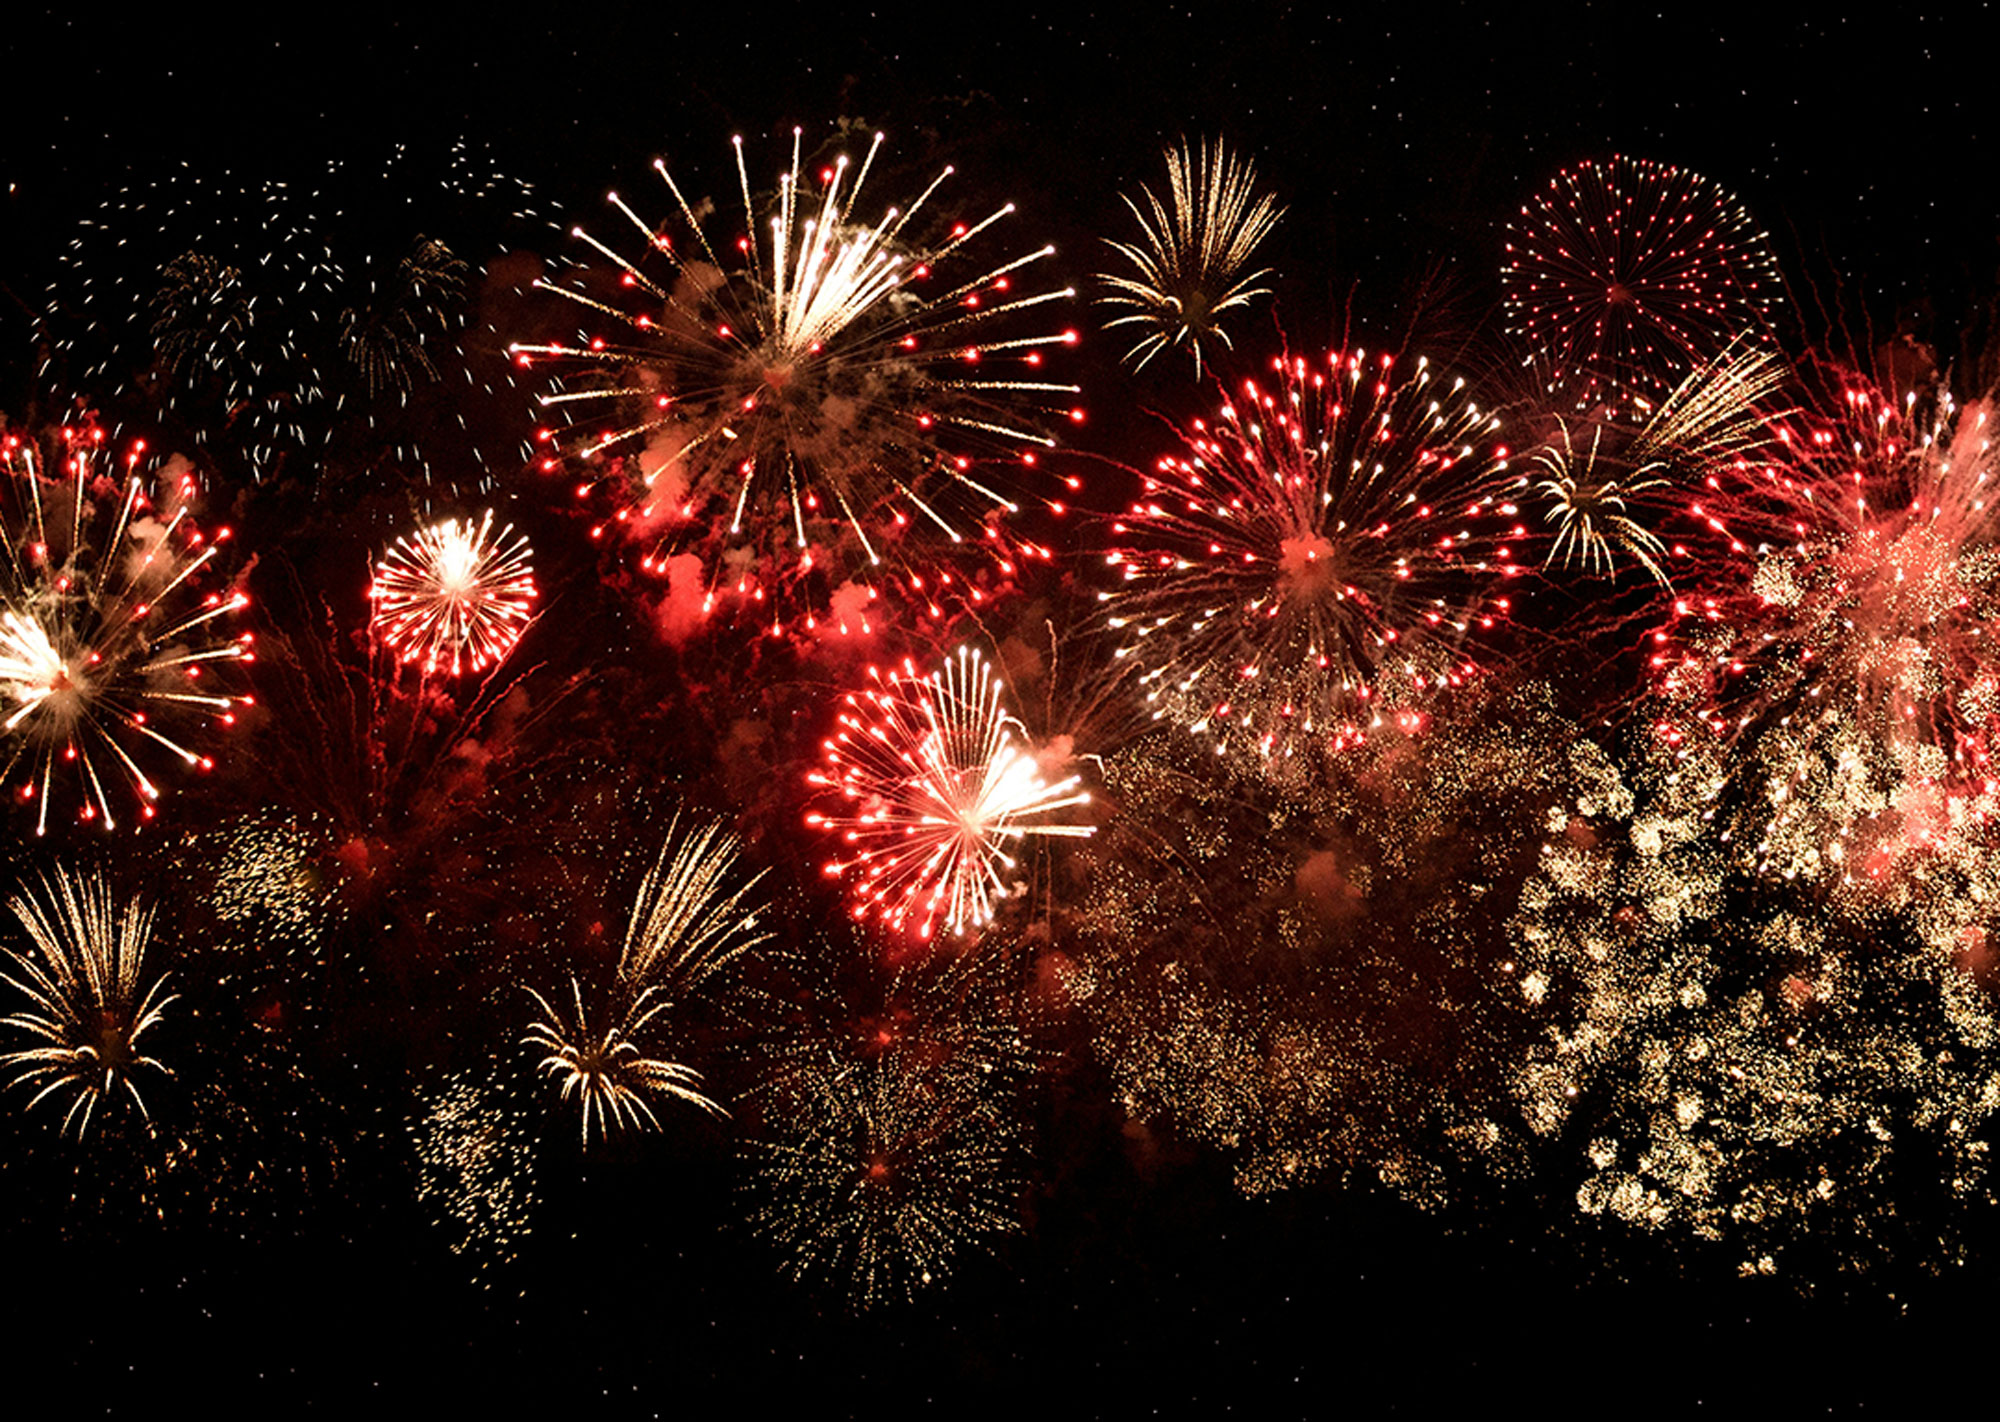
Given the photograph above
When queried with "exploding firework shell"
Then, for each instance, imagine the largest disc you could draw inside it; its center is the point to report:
(1623, 274)
(110, 648)
(828, 400)
(1322, 561)
(455, 596)
(939, 788)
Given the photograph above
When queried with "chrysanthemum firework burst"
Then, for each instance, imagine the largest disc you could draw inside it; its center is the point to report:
(692, 918)
(1623, 274)
(812, 405)
(1845, 642)
(941, 790)
(88, 1000)
(112, 642)
(1323, 559)
(1192, 253)
(455, 596)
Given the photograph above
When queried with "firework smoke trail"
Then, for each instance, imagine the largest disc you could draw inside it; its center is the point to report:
(824, 398)
(1623, 274)
(107, 646)
(687, 924)
(1323, 560)
(1191, 255)
(939, 788)
(87, 1004)
(454, 596)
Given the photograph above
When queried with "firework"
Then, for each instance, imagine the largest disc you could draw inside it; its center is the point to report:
(110, 651)
(1192, 253)
(1839, 645)
(1301, 980)
(686, 925)
(1603, 496)
(263, 309)
(1736, 1064)
(454, 596)
(1623, 274)
(1321, 562)
(896, 1145)
(476, 1162)
(939, 789)
(88, 1003)
(815, 402)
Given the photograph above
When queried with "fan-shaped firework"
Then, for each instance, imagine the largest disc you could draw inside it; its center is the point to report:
(1623, 274)
(110, 651)
(897, 1148)
(1322, 561)
(939, 789)
(88, 1001)
(687, 924)
(454, 596)
(1192, 252)
(814, 403)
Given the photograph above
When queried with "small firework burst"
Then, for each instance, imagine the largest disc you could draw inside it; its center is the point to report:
(89, 1003)
(826, 402)
(1192, 252)
(455, 596)
(1605, 497)
(110, 650)
(1321, 562)
(940, 787)
(897, 1146)
(1623, 274)
(687, 924)
(476, 1161)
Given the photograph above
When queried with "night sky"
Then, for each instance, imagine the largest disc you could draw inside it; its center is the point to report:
(1401, 139)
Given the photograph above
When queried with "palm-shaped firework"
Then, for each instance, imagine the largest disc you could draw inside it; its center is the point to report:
(1189, 263)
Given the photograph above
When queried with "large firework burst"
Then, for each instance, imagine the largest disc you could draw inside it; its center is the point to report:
(110, 648)
(454, 596)
(687, 923)
(1192, 252)
(1841, 643)
(814, 401)
(1321, 561)
(939, 788)
(1624, 273)
(88, 1001)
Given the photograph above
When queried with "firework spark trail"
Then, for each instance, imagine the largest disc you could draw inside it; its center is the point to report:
(940, 787)
(821, 387)
(687, 924)
(1323, 560)
(1192, 252)
(107, 647)
(1624, 273)
(455, 596)
(87, 1004)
